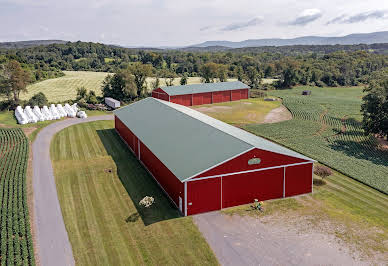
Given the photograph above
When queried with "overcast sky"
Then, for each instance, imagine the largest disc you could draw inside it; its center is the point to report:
(182, 22)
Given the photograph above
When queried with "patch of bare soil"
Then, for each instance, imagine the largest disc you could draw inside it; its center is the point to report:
(277, 115)
(213, 109)
(383, 144)
(5, 126)
(28, 130)
(247, 103)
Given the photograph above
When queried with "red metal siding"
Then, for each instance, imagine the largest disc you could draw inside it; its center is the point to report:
(298, 179)
(240, 163)
(203, 195)
(125, 133)
(172, 185)
(236, 95)
(175, 99)
(207, 98)
(162, 174)
(217, 97)
(226, 96)
(186, 99)
(244, 188)
(244, 94)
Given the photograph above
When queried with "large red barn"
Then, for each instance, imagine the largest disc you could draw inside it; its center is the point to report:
(204, 164)
(204, 93)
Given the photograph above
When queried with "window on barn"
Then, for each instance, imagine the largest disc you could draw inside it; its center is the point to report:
(254, 161)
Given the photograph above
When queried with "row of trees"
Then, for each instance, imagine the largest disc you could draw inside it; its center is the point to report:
(315, 65)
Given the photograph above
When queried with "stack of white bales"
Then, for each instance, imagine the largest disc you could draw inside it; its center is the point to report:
(54, 112)
(30, 115)
(38, 113)
(69, 110)
(47, 114)
(61, 111)
(20, 116)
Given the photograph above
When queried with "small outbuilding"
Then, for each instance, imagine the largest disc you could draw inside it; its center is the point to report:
(204, 164)
(112, 102)
(203, 93)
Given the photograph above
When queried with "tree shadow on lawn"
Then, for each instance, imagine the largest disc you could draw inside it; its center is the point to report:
(137, 182)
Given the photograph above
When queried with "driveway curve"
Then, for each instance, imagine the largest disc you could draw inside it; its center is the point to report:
(51, 236)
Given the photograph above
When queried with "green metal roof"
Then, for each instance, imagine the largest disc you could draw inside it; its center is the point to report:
(204, 87)
(186, 141)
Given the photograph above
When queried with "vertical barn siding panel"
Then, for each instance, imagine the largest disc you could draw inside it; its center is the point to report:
(244, 94)
(164, 96)
(236, 95)
(244, 188)
(217, 97)
(226, 96)
(207, 98)
(162, 174)
(198, 98)
(298, 179)
(124, 132)
(155, 94)
(240, 163)
(204, 195)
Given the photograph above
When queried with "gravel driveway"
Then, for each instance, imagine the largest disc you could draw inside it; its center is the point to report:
(51, 237)
(245, 240)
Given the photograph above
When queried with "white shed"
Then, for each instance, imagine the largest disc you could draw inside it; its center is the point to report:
(112, 102)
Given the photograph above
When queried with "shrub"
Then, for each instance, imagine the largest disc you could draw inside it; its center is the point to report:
(38, 99)
(322, 171)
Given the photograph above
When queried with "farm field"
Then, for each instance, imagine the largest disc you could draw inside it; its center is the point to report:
(65, 88)
(99, 184)
(326, 126)
(16, 246)
(239, 112)
(353, 213)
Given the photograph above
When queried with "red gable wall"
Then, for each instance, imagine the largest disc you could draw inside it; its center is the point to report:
(240, 163)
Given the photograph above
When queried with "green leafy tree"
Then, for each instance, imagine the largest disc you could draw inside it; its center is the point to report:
(375, 108)
(140, 72)
(13, 80)
(252, 77)
(91, 97)
(208, 72)
(38, 99)
(81, 93)
(222, 72)
(183, 80)
(169, 77)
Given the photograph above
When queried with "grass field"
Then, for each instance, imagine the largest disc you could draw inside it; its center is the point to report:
(343, 207)
(65, 88)
(239, 112)
(99, 184)
(326, 126)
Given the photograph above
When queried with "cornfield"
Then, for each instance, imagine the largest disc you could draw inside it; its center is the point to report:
(15, 235)
(327, 126)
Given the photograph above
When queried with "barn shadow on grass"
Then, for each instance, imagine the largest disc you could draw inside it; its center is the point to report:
(137, 182)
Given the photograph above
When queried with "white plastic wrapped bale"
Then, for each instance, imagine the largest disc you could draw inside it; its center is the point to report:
(46, 112)
(38, 113)
(54, 112)
(61, 111)
(75, 107)
(30, 115)
(20, 116)
(82, 114)
(69, 110)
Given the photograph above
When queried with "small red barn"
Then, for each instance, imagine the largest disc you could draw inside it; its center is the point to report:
(204, 93)
(204, 164)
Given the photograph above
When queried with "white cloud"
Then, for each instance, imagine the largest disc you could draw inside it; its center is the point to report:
(306, 17)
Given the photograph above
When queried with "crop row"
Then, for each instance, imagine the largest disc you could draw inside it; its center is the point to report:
(15, 234)
(328, 129)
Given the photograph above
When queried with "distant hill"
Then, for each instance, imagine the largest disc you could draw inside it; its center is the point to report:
(26, 44)
(357, 38)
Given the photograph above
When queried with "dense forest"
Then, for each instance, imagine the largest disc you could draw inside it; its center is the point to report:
(331, 65)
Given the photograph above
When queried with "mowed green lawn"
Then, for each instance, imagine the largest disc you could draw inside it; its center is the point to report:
(100, 184)
(239, 112)
(343, 207)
